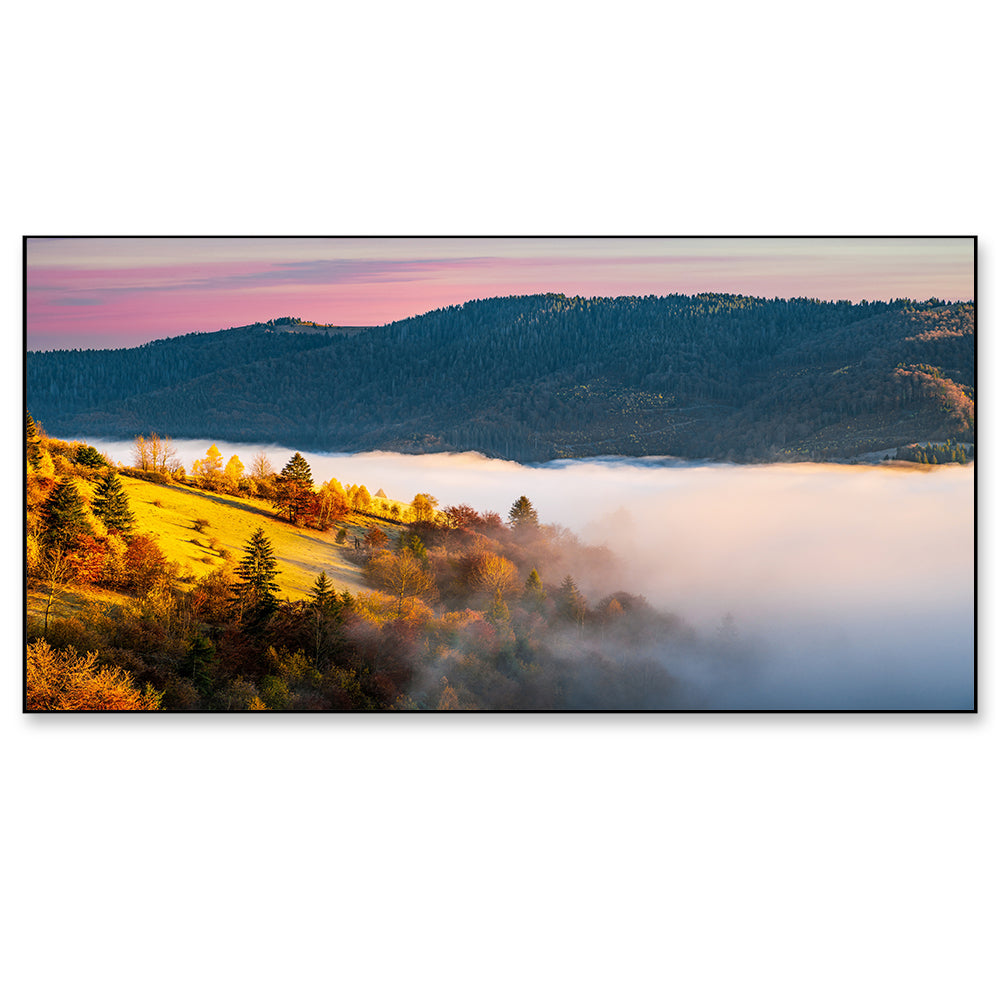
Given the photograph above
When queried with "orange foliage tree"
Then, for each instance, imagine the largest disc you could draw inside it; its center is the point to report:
(63, 680)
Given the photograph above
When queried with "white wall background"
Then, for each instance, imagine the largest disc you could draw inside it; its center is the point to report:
(778, 856)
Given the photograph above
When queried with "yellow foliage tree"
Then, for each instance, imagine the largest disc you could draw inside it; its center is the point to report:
(401, 575)
(448, 702)
(233, 472)
(63, 680)
(209, 468)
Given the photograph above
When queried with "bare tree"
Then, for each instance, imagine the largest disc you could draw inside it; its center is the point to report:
(140, 454)
(55, 572)
(260, 467)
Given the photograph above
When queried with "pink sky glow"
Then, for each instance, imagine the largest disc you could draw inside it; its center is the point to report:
(120, 292)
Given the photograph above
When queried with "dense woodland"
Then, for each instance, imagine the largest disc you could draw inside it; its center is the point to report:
(461, 610)
(545, 376)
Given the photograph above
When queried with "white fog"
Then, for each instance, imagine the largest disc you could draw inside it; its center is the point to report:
(846, 586)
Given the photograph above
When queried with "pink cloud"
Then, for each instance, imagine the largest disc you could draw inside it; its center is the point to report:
(121, 292)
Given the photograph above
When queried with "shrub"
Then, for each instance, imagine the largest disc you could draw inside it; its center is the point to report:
(144, 565)
(63, 680)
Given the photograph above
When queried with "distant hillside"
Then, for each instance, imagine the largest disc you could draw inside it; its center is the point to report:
(544, 376)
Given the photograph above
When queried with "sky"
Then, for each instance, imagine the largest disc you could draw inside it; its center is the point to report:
(124, 291)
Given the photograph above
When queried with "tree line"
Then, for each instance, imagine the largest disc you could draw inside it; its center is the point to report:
(543, 376)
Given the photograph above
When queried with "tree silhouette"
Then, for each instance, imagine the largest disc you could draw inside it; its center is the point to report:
(571, 603)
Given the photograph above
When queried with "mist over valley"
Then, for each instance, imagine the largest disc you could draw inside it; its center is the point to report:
(807, 586)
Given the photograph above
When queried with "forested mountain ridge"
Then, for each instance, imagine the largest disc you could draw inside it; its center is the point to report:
(544, 376)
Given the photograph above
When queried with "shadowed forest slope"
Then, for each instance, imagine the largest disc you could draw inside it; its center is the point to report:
(537, 377)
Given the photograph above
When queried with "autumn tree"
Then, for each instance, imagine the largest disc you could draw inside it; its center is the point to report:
(32, 442)
(162, 454)
(448, 701)
(260, 467)
(54, 570)
(331, 504)
(496, 575)
(359, 498)
(253, 591)
(375, 537)
(144, 565)
(423, 507)
(402, 575)
(232, 472)
(111, 504)
(140, 454)
(208, 469)
(462, 516)
(64, 680)
(262, 476)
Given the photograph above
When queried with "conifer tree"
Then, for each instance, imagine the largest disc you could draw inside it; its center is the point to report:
(253, 591)
(64, 516)
(534, 592)
(324, 597)
(571, 603)
(33, 448)
(297, 468)
(327, 616)
(522, 514)
(89, 457)
(111, 505)
(295, 489)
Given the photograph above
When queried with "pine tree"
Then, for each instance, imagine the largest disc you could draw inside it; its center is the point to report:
(571, 603)
(324, 597)
(33, 448)
(534, 592)
(111, 505)
(89, 457)
(522, 514)
(297, 468)
(295, 489)
(253, 599)
(64, 516)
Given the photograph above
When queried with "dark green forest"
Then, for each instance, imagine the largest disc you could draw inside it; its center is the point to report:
(537, 377)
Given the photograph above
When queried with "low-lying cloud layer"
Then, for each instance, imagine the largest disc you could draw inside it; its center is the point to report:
(829, 586)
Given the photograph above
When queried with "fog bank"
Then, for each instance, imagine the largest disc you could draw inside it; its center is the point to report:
(852, 585)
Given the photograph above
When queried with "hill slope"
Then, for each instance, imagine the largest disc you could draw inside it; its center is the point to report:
(544, 376)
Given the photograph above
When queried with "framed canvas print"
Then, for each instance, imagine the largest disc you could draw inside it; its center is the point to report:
(324, 474)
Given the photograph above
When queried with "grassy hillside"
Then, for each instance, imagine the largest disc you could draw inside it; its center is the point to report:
(169, 513)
